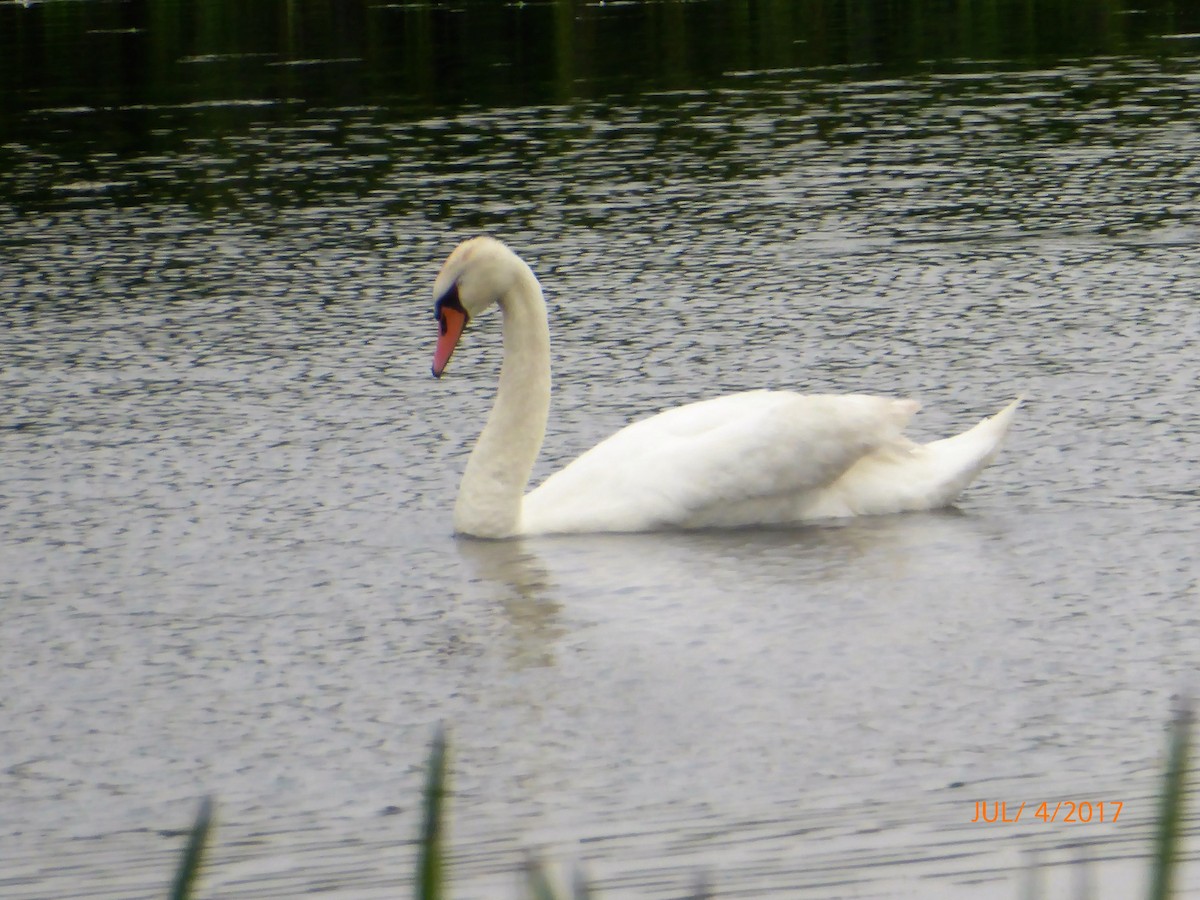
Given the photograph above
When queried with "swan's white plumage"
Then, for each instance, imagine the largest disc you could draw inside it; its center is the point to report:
(727, 461)
(759, 457)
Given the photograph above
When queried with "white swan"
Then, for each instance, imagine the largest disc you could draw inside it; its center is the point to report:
(755, 458)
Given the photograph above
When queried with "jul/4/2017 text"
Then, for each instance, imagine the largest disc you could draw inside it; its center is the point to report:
(1066, 811)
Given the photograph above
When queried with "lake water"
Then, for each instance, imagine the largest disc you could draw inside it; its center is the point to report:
(226, 559)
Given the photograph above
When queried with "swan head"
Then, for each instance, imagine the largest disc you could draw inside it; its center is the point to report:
(474, 277)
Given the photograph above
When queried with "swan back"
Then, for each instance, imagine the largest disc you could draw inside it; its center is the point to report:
(751, 458)
(762, 458)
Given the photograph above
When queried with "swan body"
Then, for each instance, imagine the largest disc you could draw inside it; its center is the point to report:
(752, 458)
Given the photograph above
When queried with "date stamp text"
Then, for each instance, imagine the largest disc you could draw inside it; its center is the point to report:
(1065, 811)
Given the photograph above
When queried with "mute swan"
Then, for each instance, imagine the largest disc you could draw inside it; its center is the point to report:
(755, 458)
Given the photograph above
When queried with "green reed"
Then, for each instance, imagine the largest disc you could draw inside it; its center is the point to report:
(1170, 810)
(431, 880)
(193, 853)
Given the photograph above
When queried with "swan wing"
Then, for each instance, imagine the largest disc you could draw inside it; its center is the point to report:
(753, 457)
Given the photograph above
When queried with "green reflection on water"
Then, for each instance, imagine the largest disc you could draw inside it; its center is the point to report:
(213, 104)
(419, 54)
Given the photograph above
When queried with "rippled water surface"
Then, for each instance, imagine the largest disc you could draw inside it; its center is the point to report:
(227, 561)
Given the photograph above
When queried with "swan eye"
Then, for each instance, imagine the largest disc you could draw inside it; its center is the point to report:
(448, 300)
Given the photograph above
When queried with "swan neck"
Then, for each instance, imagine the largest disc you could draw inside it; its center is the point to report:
(498, 470)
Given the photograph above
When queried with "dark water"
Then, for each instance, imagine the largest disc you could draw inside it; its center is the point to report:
(226, 563)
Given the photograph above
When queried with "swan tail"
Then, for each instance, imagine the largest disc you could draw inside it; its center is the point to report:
(958, 460)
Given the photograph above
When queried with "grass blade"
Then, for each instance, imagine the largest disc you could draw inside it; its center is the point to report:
(700, 888)
(431, 867)
(537, 885)
(581, 888)
(1170, 814)
(193, 853)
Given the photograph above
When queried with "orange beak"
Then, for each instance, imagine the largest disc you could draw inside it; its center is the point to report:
(451, 323)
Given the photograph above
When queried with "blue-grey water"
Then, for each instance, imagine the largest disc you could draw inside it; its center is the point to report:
(226, 560)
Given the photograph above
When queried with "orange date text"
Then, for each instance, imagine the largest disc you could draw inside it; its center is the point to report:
(1068, 812)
